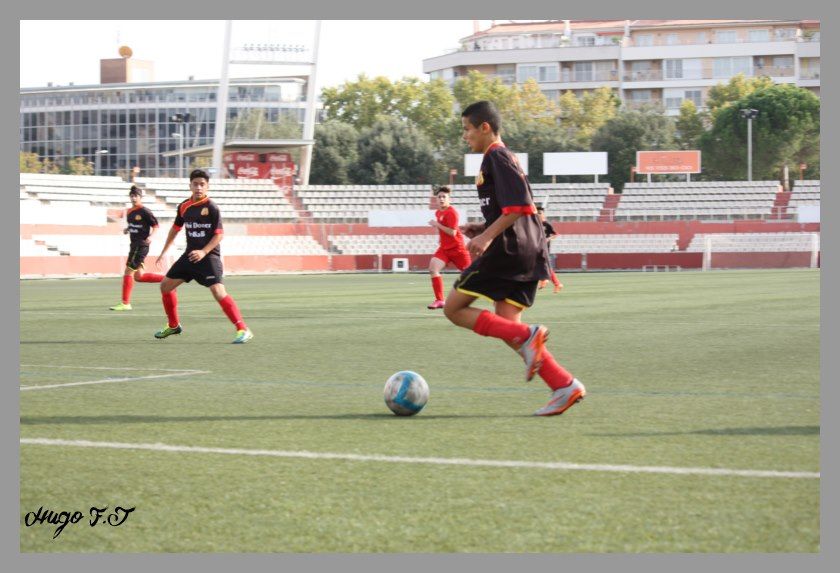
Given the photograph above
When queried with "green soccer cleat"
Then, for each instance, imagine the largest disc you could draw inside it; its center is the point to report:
(168, 331)
(121, 306)
(243, 336)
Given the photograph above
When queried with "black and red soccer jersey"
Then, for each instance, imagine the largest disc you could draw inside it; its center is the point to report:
(519, 253)
(549, 230)
(201, 221)
(140, 223)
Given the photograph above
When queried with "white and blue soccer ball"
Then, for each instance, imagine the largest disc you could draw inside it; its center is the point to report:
(406, 393)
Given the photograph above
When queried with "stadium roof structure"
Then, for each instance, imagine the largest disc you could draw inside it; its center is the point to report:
(264, 145)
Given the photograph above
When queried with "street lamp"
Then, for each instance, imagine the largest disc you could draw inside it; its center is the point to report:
(749, 114)
(180, 139)
(180, 119)
(97, 154)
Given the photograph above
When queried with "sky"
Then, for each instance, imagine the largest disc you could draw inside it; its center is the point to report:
(62, 52)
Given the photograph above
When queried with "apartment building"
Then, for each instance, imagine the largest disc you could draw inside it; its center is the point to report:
(662, 62)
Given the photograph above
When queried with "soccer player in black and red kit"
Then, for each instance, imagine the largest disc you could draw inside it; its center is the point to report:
(201, 259)
(141, 224)
(510, 257)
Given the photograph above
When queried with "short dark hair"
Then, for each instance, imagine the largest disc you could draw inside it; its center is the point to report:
(135, 190)
(481, 112)
(540, 209)
(442, 189)
(196, 173)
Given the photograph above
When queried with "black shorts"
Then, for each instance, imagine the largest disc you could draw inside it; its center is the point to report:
(517, 293)
(136, 256)
(206, 272)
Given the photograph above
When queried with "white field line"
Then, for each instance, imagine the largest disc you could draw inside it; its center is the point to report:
(433, 461)
(113, 380)
(131, 368)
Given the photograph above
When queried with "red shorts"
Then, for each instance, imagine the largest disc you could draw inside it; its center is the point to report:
(458, 257)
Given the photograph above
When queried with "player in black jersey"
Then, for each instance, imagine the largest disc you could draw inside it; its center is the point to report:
(201, 259)
(550, 234)
(141, 225)
(510, 257)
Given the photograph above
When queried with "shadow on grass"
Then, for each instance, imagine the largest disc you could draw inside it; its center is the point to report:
(132, 419)
(765, 431)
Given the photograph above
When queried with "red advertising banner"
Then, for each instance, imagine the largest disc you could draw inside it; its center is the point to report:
(668, 161)
(278, 167)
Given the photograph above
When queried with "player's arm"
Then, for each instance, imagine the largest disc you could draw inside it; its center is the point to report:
(471, 230)
(169, 239)
(448, 230)
(480, 243)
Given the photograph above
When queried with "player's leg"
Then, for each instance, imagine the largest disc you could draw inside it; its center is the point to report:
(170, 306)
(231, 310)
(555, 281)
(127, 286)
(144, 277)
(436, 265)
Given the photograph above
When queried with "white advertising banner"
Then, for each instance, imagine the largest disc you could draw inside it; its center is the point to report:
(583, 163)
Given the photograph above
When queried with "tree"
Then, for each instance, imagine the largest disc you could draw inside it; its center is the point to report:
(722, 96)
(392, 151)
(786, 132)
(628, 132)
(30, 162)
(689, 126)
(582, 117)
(79, 166)
(334, 154)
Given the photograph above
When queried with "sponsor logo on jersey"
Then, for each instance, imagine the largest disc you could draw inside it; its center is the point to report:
(137, 218)
(205, 211)
(479, 179)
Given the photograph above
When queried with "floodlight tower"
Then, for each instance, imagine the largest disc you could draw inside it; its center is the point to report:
(271, 54)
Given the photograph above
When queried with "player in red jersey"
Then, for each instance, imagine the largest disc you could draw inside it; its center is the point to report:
(550, 234)
(451, 249)
(141, 224)
(510, 257)
(201, 259)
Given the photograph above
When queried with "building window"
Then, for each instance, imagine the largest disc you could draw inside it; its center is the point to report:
(582, 71)
(728, 67)
(539, 72)
(759, 35)
(726, 36)
(701, 38)
(585, 40)
(695, 96)
(643, 40)
(672, 39)
(673, 69)
(507, 73)
(785, 33)
(640, 96)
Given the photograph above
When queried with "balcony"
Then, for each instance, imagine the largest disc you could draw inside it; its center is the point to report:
(643, 76)
(570, 76)
(809, 74)
(774, 71)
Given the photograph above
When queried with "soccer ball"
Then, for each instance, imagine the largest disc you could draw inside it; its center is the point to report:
(406, 393)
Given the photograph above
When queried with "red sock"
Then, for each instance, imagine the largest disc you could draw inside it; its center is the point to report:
(128, 284)
(150, 278)
(489, 324)
(170, 305)
(437, 287)
(232, 311)
(552, 373)
(554, 279)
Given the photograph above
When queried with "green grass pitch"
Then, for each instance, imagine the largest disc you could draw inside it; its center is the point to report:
(715, 370)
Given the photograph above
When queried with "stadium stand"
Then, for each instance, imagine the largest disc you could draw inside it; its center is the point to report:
(238, 199)
(345, 203)
(755, 242)
(805, 193)
(615, 243)
(724, 200)
(89, 189)
(384, 244)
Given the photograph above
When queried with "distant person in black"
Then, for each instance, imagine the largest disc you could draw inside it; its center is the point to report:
(201, 259)
(510, 257)
(141, 225)
(550, 234)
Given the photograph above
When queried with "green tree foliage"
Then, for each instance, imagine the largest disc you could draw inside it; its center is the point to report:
(583, 116)
(78, 166)
(786, 132)
(30, 162)
(335, 153)
(392, 151)
(628, 132)
(689, 126)
(722, 96)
